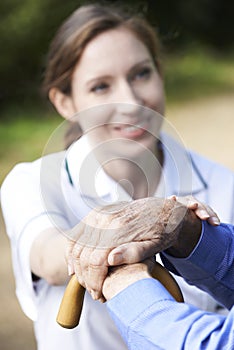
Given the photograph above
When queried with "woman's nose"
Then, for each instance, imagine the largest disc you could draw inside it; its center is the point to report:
(128, 99)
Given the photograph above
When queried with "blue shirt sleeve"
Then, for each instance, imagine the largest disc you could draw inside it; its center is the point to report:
(211, 264)
(149, 318)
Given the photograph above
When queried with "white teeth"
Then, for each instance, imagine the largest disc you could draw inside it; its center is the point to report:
(134, 127)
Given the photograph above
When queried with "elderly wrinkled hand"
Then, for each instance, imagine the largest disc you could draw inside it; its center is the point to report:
(154, 222)
(133, 252)
(129, 232)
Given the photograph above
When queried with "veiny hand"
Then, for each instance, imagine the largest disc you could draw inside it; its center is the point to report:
(133, 252)
(154, 222)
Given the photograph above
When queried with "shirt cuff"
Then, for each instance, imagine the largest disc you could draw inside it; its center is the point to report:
(135, 299)
(206, 256)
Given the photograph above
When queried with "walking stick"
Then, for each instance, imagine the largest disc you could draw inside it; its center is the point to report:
(72, 302)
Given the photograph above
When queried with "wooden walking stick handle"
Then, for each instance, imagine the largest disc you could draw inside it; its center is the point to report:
(161, 274)
(72, 302)
(71, 305)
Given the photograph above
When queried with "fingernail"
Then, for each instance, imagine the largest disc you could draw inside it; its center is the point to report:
(215, 220)
(102, 300)
(204, 214)
(70, 270)
(116, 259)
(94, 295)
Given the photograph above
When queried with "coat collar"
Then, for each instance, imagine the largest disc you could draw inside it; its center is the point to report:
(88, 176)
(180, 174)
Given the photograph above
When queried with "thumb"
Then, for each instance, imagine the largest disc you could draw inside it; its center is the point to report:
(130, 253)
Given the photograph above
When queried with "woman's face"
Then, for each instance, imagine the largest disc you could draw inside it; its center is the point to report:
(113, 81)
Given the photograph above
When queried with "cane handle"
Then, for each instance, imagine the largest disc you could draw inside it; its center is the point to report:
(71, 305)
(72, 302)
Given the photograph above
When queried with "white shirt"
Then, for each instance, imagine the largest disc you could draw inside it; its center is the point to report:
(59, 190)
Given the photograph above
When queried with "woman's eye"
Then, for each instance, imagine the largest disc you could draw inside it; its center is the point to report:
(144, 73)
(99, 88)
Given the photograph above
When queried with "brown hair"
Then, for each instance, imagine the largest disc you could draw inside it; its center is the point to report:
(79, 29)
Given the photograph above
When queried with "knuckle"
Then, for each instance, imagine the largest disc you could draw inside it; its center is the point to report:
(98, 258)
(76, 260)
(85, 253)
(77, 250)
(96, 263)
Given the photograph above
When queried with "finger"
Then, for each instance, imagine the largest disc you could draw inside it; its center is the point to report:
(97, 272)
(214, 221)
(192, 205)
(73, 249)
(102, 300)
(205, 212)
(133, 252)
(202, 210)
(189, 201)
(76, 261)
(68, 257)
(202, 213)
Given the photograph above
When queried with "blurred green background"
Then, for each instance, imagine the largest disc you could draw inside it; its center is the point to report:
(197, 54)
(204, 27)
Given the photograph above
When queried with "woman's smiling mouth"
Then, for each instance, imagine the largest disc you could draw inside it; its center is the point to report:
(132, 131)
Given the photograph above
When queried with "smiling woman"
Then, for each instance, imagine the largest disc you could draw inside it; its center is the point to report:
(134, 80)
(103, 74)
(126, 84)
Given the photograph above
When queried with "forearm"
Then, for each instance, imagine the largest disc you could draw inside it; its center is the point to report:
(147, 315)
(47, 257)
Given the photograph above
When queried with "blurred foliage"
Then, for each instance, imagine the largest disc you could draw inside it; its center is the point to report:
(27, 27)
(24, 138)
(208, 22)
(197, 73)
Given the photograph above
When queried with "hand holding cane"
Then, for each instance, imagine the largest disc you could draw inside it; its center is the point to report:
(72, 302)
(159, 210)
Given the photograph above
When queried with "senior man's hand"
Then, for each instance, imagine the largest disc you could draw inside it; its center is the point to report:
(121, 277)
(155, 222)
(150, 225)
(184, 242)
